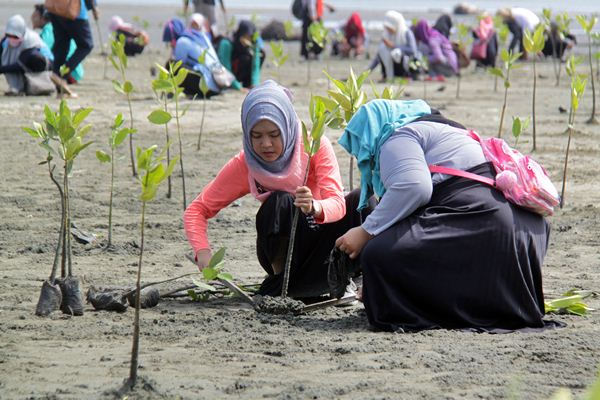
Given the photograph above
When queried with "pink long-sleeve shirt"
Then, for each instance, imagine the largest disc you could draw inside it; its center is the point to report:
(231, 183)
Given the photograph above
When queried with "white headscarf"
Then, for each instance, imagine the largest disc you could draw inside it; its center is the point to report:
(395, 21)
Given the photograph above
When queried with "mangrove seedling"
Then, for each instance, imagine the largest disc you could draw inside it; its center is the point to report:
(389, 93)
(320, 117)
(518, 126)
(464, 38)
(288, 27)
(509, 58)
(162, 88)
(348, 97)
(563, 21)
(279, 57)
(62, 134)
(588, 26)
(577, 88)
(317, 36)
(153, 173)
(204, 89)
(118, 59)
(534, 43)
(117, 136)
(503, 31)
(170, 82)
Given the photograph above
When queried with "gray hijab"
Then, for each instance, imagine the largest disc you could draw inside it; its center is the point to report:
(272, 102)
(16, 26)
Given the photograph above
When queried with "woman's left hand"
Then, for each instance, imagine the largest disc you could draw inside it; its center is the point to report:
(353, 241)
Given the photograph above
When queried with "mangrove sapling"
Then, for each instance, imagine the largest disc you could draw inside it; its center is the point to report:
(464, 38)
(153, 172)
(578, 84)
(204, 90)
(117, 136)
(169, 81)
(509, 58)
(588, 26)
(547, 23)
(347, 97)
(118, 59)
(534, 43)
(502, 31)
(518, 126)
(279, 57)
(62, 135)
(317, 36)
(320, 117)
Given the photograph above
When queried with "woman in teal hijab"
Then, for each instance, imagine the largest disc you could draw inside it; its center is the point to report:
(438, 251)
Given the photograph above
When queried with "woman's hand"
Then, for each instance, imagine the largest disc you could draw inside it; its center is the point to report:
(353, 241)
(203, 258)
(304, 201)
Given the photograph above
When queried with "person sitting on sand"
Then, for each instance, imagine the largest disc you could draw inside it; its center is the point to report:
(518, 19)
(557, 42)
(243, 55)
(438, 251)
(171, 32)
(353, 40)
(136, 40)
(442, 60)
(21, 50)
(192, 43)
(271, 167)
(397, 49)
(485, 45)
(40, 20)
(444, 25)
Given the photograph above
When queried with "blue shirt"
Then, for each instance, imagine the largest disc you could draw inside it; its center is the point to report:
(188, 50)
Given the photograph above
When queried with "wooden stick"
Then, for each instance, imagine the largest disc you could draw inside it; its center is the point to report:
(329, 303)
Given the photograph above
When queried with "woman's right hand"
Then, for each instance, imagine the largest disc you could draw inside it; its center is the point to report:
(203, 258)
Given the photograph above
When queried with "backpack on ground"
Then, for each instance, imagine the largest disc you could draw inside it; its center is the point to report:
(521, 179)
(300, 8)
(69, 9)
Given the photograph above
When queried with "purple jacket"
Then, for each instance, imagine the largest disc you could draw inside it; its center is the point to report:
(440, 48)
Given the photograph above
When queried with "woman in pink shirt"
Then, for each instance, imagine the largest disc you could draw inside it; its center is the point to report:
(271, 167)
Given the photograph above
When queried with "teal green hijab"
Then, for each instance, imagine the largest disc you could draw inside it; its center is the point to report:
(366, 132)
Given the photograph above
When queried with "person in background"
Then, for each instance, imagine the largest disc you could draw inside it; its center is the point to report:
(444, 25)
(397, 49)
(437, 48)
(271, 168)
(206, 8)
(135, 39)
(243, 56)
(192, 43)
(354, 37)
(314, 13)
(557, 42)
(40, 20)
(77, 30)
(439, 251)
(518, 19)
(20, 49)
(485, 46)
(171, 32)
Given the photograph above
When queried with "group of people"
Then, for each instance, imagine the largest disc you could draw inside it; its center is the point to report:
(435, 251)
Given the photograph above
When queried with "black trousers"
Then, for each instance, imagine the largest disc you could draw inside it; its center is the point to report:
(65, 30)
(308, 273)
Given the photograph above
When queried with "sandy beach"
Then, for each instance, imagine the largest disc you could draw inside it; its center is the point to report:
(221, 348)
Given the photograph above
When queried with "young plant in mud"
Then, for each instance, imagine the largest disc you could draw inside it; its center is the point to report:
(320, 117)
(118, 59)
(534, 43)
(117, 136)
(213, 271)
(509, 58)
(588, 26)
(464, 38)
(577, 88)
(169, 81)
(502, 31)
(518, 126)
(279, 57)
(153, 173)
(317, 36)
(389, 93)
(347, 98)
(62, 134)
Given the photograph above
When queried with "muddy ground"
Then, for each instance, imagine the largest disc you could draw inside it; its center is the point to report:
(223, 349)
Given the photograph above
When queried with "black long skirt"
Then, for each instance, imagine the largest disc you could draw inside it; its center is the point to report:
(313, 243)
(468, 259)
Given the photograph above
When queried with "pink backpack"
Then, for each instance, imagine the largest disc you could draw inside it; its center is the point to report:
(479, 49)
(520, 178)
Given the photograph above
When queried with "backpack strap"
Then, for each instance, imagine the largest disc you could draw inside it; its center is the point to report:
(464, 174)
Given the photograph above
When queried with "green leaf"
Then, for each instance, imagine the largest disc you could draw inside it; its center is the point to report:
(203, 285)
(496, 72)
(217, 257)
(209, 273)
(305, 138)
(159, 117)
(204, 86)
(339, 84)
(31, 132)
(361, 78)
(180, 76)
(102, 156)
(80, 115)
(225, 276)
(118, 87)
(121, 135)
(118, 121)
(341, 99)
(128, 87)
(161, 85)
(516, 127)
(114, 63)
